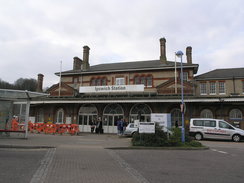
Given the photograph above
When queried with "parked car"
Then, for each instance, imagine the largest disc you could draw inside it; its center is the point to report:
(202, 128)
(130, 129)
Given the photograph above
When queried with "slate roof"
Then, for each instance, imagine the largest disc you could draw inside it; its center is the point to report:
(129, 66)
(222, 74)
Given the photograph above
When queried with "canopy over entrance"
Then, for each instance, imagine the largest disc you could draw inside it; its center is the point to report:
(8, 122)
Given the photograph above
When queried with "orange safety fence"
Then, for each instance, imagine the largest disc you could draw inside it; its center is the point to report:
(71, 129)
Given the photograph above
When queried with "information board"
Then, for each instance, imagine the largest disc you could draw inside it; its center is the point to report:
(146, 127)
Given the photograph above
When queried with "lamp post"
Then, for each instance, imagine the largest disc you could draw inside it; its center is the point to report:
(180, 54)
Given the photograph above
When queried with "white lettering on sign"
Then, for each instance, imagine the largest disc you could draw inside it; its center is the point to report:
(111, 88)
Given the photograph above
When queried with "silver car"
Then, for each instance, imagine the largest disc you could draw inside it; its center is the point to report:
(130, 129)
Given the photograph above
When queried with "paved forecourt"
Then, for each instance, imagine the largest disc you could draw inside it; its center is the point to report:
(77, 158)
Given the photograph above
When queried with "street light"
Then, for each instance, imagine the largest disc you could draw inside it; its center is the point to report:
(180, 54)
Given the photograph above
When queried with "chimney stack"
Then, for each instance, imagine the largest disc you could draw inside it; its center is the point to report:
(163, 58)
(39, 82)
(77, 63)
(189, 54)
(86, 64)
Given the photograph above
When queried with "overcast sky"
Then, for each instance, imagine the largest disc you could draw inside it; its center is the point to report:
(35, 35)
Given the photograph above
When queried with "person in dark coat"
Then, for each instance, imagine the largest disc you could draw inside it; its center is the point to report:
(92, 124)
(100, 125)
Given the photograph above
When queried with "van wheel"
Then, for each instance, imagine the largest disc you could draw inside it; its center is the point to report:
(236, 138)
(198, 136)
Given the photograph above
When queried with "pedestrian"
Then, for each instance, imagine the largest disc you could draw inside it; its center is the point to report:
(121, 126)
(92, 125)
(99, 126)
(176, 124)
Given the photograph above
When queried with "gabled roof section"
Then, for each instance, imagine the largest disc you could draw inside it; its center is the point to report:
(130, 66)
(222, 74)
(65, 90)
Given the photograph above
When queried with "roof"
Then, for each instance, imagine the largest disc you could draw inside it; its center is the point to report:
(129, 66)
(19, 94)
(222, 74)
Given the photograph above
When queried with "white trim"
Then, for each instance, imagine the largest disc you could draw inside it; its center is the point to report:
(133, 101)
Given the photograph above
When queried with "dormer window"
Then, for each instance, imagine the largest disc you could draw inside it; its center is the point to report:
(98, 82)
(120, 81)
(147, 81)
(185, 76)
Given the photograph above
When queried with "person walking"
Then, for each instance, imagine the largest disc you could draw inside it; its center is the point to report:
(92, 125)
(99, 126)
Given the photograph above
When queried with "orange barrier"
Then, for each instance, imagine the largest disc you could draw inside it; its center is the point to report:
(40, 127)
(62, 128)
(30, 127)
(50, 128)
(71, 129)
(74, 129)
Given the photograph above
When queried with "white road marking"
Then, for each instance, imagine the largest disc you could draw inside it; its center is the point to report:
(215, 150)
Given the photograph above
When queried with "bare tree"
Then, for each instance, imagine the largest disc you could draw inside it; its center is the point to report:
(20, 84)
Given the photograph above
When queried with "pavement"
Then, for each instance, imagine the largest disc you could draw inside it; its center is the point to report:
(85, 158)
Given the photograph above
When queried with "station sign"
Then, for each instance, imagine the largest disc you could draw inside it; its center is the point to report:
(111, 89)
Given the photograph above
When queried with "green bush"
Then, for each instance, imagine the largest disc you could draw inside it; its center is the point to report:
(161, 138)
(157, 139)
(175, 137)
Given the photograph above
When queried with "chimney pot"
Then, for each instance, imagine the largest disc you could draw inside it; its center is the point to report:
(163, 58)
(39, 82)
(77, 63)
(86, 64)
(189, 54)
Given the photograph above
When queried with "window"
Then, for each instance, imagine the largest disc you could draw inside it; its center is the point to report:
(93, 82)
(212, 88)
(176, 116)
(209, 123)
(75, 80)
(203, 88)
(60, 116)
(99, 82)
(235, 114)
(221, 87)
(103, 82)
(185, 76)
(143, 81)
(223, 124)
(149, 81)
(141, 112)
(137, 80)
(120, 81)
(40, 116)
(206, 113)
(198, 123)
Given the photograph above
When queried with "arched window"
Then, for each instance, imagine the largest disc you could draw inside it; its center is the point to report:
(60, 116)
(206, 113)
(87, 113)
(141, 112)
(111, 114)
(113, 109)
(176, 116)
(235, 114)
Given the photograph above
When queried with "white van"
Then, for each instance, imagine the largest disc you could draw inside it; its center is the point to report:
(201, 128)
